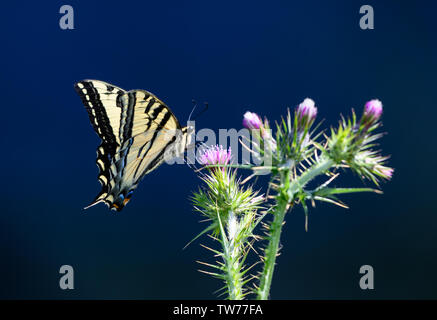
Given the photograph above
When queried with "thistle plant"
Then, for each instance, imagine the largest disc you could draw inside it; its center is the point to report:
(295, 155)
(231, 211)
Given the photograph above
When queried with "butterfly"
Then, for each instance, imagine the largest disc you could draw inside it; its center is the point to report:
(138, 132)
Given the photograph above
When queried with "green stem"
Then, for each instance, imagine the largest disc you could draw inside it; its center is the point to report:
(287, 191)
(319, 168)
(233, 275)
(271, 251)
(232, 265)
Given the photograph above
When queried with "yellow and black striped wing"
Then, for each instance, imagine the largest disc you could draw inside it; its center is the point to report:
(103, 103)
(136, 129)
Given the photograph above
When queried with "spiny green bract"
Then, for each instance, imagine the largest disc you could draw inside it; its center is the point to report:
(222, 194)
(351, 145)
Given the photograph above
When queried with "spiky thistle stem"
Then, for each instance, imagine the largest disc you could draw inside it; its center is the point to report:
(271, 251)
(232, 258)
(285, 198)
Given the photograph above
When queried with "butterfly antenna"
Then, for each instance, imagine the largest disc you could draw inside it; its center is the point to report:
(202, 111)
(192, 110)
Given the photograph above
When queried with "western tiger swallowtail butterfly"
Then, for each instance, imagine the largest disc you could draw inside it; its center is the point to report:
(138, 132)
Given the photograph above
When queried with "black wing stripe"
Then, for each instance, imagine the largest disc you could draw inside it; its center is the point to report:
(149, 105)
(155, 134)
(156, 111)
(99, 118)
(157, 160)
(126, 121)
(152, 119)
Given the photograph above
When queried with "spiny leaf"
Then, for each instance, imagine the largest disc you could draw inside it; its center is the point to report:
(329, 191)
(207, 229)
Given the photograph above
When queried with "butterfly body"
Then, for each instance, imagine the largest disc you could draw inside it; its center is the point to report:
(138, 132)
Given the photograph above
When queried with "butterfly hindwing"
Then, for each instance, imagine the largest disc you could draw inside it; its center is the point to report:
(136, 129)
(140, 155)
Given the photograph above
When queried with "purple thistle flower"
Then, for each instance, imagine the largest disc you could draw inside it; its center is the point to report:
(252, 121)
(215, 155)
(372, 112)
(306, 113)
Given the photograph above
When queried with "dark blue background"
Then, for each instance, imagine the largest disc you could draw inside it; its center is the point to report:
(238, 56)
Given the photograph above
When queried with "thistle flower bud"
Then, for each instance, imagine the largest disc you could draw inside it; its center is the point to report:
(252, 121)
(372, 112)
(215, 155)
(306, 113)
